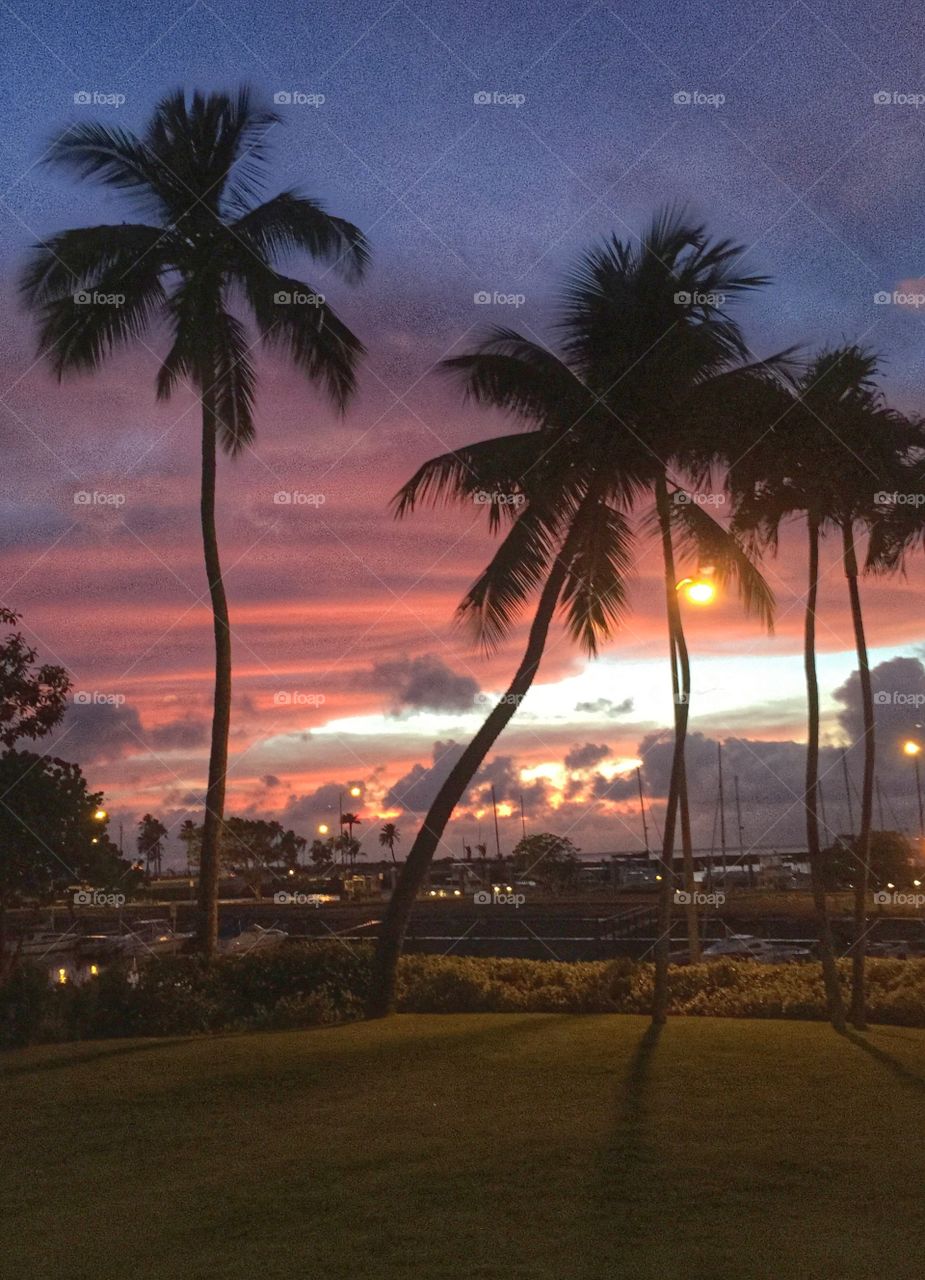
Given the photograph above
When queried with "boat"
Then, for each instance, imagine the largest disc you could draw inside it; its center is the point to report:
(46, 942)
(252, 938)
(153, 937)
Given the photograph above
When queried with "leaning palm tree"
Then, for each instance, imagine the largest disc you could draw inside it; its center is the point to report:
(197, 171)
(837, 413)
(606, 421)
(389, 837)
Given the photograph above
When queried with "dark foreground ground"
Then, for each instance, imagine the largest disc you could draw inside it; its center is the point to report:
(469, 1146)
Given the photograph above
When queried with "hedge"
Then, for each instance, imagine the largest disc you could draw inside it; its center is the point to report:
(311, 984)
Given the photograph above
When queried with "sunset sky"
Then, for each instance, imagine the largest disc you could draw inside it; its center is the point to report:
(348, 668)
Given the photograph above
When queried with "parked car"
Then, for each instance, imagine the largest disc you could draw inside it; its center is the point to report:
(746, 946)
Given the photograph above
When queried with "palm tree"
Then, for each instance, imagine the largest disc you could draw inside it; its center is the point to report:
(838, 414)
(197, 170)
(389, 837)
(151, 833)
(568, 485)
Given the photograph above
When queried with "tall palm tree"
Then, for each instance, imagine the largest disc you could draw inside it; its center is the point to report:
(389, 837)
(197, 170)
(837, 414)
(606, 421)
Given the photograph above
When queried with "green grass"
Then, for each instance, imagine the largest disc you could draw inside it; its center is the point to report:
(540, 1146)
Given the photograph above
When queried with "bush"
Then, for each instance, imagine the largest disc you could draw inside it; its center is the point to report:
(311, 984)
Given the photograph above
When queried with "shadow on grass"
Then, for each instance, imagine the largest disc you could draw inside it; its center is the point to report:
(897, 1068)
(77, 1060)
(627, 1148)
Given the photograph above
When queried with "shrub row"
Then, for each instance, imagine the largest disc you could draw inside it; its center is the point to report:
(310, 984)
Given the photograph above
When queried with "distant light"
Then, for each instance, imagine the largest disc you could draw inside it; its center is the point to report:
(917, 883)
(95, 840)
(323, 829)
(62, 976)
(912, 748)
(100, 815)
(94, 970)
(890, 884)
(457, 893)
(356, 791)
(658, 877)
(291, 872)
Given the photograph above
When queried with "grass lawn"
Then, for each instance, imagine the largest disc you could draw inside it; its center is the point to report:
(548, 1147)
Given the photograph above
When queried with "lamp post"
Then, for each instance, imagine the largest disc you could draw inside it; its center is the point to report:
(914, 749)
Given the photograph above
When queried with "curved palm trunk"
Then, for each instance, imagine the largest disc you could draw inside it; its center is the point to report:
(381, 1000)
(858, 1011)
(221, 713)
(677, 788)
(833, 993)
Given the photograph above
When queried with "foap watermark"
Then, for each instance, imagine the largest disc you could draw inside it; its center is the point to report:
(94, 98)
(683, 499)
(898, 698)
(893, 98)
(296, 498)
(697, 98)
(284, 899)
(97, 698)
(97, 898)
(494, 98)
(896, 898)
(492, 298)
(684, 299)
(898, 298)
(297, 698)
(684, 898)
(295, 298)
(95, 498)
(298, 98)
(897, 499)
(506, 699)
(482, 898)
(94, 298)
(482, 498)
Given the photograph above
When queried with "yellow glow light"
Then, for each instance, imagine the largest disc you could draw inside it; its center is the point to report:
(356, 791)
(698, 590)
(912, 748)
(323, 829)
(100, 815)
(62, 976)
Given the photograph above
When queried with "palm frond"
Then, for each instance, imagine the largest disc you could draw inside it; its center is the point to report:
(493, 602)
(509, 372)
(289, 223)
(294, 318)
(117, 158)
(598, 552)
(714, 545)
(80, 259)
(78, 331)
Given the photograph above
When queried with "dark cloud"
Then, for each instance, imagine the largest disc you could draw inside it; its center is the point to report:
(186, 732)
(604, 707)
(425, 683)
(583, 757)
(97, 730)
(899, 704)
(270, 780)
(418, 788)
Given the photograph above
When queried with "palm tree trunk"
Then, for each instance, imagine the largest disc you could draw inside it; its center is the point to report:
(858, 1011)
(381, 1000)
(666, 893)
(833, 993)
(677, 787)
(221, 713)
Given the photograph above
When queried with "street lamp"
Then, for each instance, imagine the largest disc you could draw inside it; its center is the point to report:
(356, 792)
(914, 749)
(100, 815)
(323, 829)
(697, 590)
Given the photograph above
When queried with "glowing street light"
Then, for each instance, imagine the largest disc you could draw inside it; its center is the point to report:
(697, 590)
(913, 749)
(356, 791)
(100, 815)
(323, 829)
